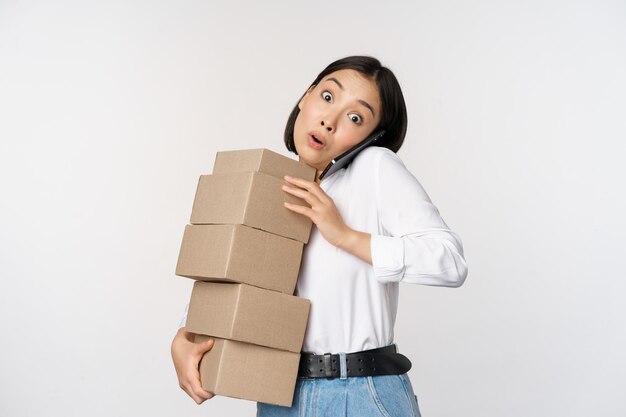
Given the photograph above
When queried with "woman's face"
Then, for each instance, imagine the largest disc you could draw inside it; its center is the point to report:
(336, 114)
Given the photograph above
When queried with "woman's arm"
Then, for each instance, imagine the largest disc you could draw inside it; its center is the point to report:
(415, 245)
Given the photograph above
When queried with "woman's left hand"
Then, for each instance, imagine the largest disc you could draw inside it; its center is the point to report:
(322, 211)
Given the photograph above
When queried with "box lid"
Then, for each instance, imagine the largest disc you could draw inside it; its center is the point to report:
(261, 160)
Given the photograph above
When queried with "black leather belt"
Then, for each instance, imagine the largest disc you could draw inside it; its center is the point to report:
(381, 361)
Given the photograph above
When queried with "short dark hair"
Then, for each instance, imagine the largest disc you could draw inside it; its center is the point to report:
(393, 112)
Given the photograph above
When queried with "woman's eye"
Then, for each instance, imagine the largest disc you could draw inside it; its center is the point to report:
(327, 96)
(356, 118)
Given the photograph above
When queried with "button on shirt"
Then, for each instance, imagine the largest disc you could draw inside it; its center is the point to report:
(353, 303)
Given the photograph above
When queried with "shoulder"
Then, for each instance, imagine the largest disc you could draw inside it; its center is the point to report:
(385, 172)
(374, 154)
(376, 158)
(378, 170)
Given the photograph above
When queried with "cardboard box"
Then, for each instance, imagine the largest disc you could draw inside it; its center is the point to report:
(240, 254)
(250, 372)
(248, 314)
(261, 160)
(250, 198)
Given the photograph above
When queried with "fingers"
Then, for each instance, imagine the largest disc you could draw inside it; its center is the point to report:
(187, 357)
(303, 194)
(311, 193)
(204, 347)
(308, 191)
(309, 186)
(322, 210)
(307, 211)
(192, 386)
(198, 393)
(302, 183)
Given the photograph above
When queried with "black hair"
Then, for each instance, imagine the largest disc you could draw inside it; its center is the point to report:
(393, 109)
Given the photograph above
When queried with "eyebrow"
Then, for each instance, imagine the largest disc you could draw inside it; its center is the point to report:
(363, 102)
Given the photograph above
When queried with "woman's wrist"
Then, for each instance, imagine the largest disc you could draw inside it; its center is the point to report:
(358, 244)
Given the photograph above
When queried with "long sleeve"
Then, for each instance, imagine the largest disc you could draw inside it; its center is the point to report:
(414, 244)
(410, 242)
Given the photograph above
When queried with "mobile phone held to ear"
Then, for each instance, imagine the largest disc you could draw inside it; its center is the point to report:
(345, 158)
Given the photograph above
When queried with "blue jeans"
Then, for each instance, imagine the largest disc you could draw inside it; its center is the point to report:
(368, 396)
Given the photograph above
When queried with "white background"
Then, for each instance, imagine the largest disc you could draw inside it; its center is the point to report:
(109, 111)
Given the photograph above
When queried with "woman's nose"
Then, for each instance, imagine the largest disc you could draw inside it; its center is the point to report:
(327, 126)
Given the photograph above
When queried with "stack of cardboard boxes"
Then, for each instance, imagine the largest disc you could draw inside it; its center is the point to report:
(244, 249)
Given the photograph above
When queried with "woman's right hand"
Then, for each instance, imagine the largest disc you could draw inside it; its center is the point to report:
(186, 356)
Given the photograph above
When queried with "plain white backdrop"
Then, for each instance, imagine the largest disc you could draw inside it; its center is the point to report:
(109, 112)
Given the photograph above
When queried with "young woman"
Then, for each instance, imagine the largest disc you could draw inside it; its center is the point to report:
(375, 226)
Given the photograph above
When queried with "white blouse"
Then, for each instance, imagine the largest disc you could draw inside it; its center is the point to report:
(354, 304)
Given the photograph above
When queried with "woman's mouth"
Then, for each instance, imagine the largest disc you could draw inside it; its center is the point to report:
(316, 141)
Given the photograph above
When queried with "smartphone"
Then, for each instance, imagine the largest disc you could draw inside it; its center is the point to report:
(345, 158)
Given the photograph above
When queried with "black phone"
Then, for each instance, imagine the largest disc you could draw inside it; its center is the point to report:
(345, 158)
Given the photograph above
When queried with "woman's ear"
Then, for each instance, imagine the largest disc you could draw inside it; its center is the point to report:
(305, 96)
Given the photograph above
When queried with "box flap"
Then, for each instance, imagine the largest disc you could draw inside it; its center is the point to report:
(261, 160)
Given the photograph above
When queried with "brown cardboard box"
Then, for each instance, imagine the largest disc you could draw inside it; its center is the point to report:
(250, 372)
(254, 199)
(248, 314)
(261, 160)
(239, 254)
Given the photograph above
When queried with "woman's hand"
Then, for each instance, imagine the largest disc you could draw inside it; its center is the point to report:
(326, 217)
(186, 356)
